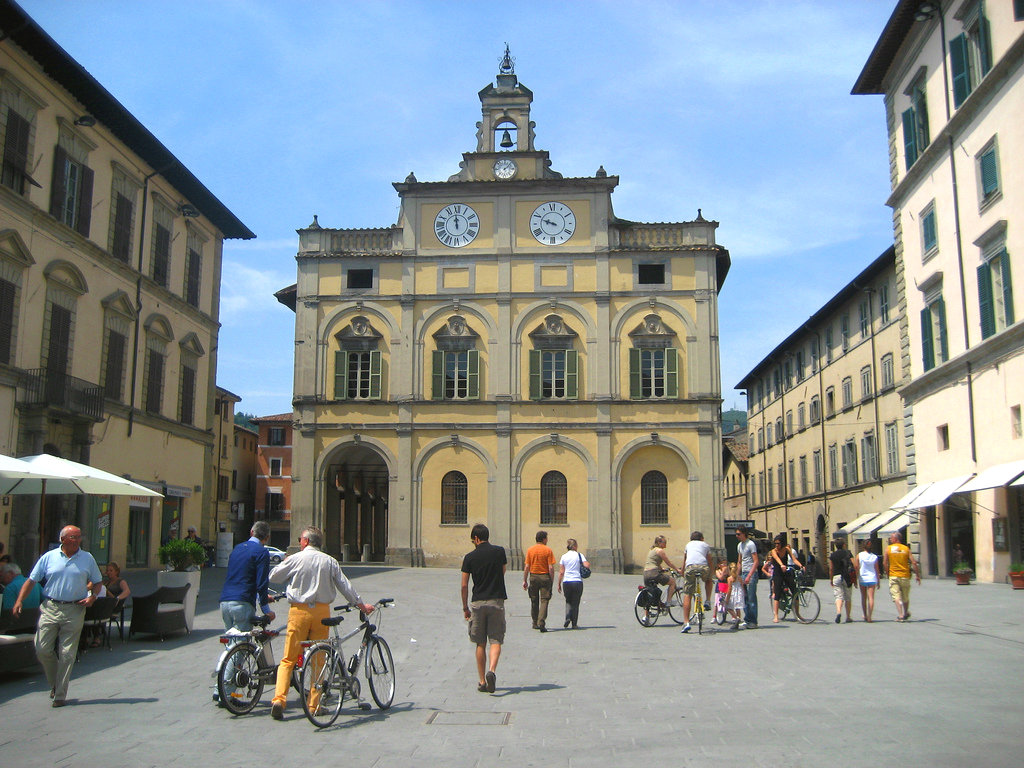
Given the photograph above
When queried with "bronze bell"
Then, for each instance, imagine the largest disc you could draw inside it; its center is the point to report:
(506, 140)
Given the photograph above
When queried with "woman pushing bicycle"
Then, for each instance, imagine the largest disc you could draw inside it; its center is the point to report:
(782, 577)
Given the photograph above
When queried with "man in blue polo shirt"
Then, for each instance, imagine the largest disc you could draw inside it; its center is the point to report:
(70, 579)
(247, 580)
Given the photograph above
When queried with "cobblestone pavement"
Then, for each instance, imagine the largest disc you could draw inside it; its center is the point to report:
(943, 689)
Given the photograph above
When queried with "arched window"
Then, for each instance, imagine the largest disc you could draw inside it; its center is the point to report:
(454, 499)
(553, 495)
(654, 499)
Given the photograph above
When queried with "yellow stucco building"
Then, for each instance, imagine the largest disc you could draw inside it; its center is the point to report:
(110, 258)
(509, 352)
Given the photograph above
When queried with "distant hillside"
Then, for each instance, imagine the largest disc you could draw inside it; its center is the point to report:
(732, 420)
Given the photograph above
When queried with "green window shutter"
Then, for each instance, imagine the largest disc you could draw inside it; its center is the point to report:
(989, 173)
(940, 311)
(1004, 260)
(921, 113)
(437, 376)
(910, 137)
(535, 374)
(340, 375)
(634, 373)
(85, 202)
(473, 367)
(671, 372)
(58, 183)
(984, 44)
(571, 375)
(961, 75)
(928, 230)
(985, 308)
(927, 345)
(375, 375)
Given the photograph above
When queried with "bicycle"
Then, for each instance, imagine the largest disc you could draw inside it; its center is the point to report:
(327, 679)
(246, 665)
(698, 607)
(804, 603)
(648, 606)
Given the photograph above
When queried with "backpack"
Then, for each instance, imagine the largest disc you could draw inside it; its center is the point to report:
(849, 574)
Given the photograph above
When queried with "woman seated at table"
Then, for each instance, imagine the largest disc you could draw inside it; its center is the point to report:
(113, 586)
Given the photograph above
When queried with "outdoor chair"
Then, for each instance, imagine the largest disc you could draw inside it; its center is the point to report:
(159, 613)
(97, 616)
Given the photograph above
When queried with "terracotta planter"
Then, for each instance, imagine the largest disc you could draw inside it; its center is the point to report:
(962, 578)
(1017, 579)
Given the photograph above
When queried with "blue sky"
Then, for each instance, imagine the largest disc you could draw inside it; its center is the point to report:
(288, 109)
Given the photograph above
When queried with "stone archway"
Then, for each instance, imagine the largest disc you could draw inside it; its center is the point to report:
(356, 504)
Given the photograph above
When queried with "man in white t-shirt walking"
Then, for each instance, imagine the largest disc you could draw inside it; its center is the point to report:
(696, 565)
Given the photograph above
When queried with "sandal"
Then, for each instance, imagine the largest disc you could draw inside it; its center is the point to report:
(482, 688)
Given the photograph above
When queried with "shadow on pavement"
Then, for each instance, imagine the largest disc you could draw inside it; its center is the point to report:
(527, 689)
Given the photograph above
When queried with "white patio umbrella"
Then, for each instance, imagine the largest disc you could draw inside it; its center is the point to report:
(60, 476)
(12, 469)
(49, 474)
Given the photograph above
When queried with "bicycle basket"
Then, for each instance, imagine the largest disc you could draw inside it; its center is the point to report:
(805, 580)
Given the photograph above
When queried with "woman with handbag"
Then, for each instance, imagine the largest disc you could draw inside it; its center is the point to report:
(573, 568)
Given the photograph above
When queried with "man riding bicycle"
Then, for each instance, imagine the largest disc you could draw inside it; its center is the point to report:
(696, 565)
(655, 570)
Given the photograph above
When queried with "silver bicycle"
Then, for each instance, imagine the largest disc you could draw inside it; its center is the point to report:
(327, 678)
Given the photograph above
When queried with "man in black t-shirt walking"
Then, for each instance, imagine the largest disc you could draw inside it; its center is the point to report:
(486, 613)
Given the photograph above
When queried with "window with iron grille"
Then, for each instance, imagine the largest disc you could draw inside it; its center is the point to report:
(454, 499)
(653, 499)
(553, 499)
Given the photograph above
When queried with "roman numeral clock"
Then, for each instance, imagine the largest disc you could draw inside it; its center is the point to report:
(456, 225)
(552, 223)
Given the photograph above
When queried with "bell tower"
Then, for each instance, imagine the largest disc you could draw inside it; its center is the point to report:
(505, 138)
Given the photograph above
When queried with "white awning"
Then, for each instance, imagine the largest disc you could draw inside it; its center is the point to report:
(876, 522)
(901, 521)
(911, 495)
(938, 492)
(1018, 481)
(995, 477)
(850, 527)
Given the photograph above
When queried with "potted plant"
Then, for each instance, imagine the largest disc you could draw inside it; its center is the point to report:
(962, 572)
(182, 555)
(1017, 575)
(183, 559)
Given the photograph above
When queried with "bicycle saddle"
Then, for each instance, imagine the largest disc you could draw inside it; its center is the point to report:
(333, 621)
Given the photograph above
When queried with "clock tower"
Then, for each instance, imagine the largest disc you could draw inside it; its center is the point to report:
(504, 138)
(508, 352)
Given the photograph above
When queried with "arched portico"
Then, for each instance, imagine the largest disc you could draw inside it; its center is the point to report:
(356, 478)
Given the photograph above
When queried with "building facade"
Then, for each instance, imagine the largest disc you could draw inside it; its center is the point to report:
(110, 253)
(243, 483)
(825, 421)
(953, 84)
(509, 352)
(273, 497)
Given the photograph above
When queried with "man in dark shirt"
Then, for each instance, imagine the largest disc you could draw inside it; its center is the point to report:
(486, 613)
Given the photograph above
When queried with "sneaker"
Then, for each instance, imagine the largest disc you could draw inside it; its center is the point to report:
(742, 625)
(277, 710)
(838, 618)
(707, 606)
(685, 629)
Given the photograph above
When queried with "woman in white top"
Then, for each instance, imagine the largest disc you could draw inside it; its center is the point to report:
(868, 577)
(571, 577)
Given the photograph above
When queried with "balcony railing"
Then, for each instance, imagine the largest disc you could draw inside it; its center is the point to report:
(51, 389)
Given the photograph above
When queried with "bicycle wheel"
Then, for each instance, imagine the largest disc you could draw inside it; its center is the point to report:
(675, 607)
(380, 672)
(647, 615)
(700, 611)
(238, 682)
(807, 605)
(719, 609)
(323, 685)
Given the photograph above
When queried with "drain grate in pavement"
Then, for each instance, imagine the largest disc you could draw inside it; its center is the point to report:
(469, 718)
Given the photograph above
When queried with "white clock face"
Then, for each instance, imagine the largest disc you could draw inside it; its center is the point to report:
(505, 168)
(456, 225)
(553, 223)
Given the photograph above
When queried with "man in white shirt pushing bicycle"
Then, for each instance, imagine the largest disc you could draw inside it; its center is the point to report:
(696, 565)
